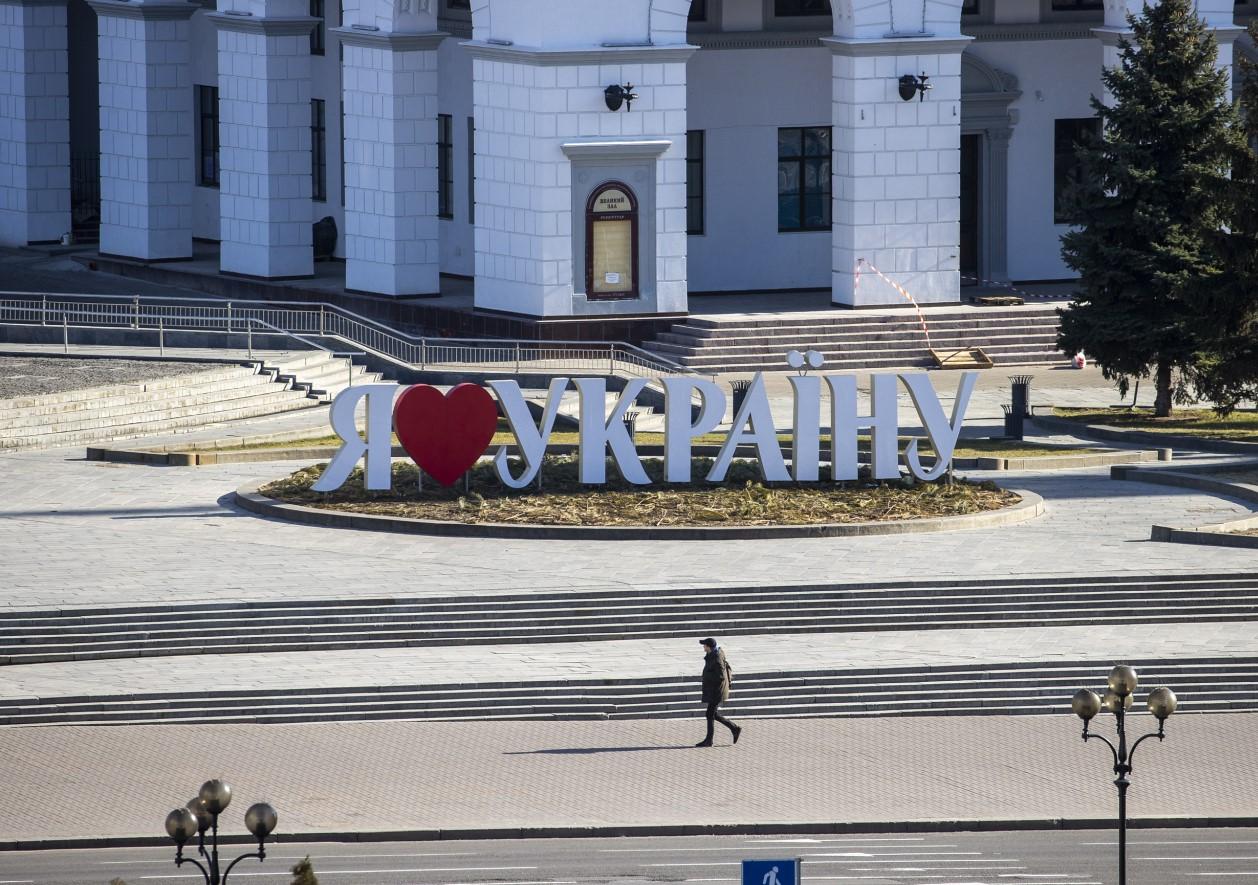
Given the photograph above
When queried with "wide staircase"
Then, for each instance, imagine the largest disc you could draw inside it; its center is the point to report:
(1203, 684)
(228, 392)
(1014, 336)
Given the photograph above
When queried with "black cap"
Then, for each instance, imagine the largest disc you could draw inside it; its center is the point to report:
(710, 642)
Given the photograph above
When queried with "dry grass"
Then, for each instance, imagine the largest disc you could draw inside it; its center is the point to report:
(742, 500)
(1205, 423)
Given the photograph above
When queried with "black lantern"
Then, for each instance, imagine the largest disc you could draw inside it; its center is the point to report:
(914, 84)
(616, 95)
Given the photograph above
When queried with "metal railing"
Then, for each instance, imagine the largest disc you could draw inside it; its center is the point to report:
(303, 320)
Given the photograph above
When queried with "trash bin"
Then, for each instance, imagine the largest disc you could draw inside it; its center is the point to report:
(739, 389)
(1013, 422)
(631, 421)
(1021, 395)
(324, 235)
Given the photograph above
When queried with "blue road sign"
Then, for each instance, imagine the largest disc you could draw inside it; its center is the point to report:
(771, 872)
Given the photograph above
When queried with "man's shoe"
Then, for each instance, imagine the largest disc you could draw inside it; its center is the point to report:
(704, 744)
(738, 730)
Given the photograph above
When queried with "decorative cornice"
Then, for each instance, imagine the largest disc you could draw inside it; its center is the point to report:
(615, 150)
(860, 47)
(145, 11)
(602, 55)
(287, 26)
(397, 41)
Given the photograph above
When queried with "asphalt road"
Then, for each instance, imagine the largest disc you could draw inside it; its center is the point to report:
(1083, 857)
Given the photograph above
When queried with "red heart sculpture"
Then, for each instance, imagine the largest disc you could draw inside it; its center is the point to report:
(445, 434)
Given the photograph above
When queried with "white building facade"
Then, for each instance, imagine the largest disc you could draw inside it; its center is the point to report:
(755, 145)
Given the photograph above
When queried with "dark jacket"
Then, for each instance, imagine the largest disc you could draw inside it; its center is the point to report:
(715, 677)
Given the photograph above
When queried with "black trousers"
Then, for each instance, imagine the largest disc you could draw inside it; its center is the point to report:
(714, 717)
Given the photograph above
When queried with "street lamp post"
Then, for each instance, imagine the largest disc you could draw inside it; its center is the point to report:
(1117, 700)
(201, 814)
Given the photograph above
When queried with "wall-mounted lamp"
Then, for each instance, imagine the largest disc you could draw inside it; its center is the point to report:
(914, 84)
(615, 96)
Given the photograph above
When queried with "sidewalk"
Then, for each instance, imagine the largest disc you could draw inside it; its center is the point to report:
(426, 780)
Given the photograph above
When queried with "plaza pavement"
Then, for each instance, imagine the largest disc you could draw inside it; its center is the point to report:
(420, 780)
(76, 533)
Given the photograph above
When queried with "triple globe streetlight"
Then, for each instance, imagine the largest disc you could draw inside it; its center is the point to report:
(201, 814)
(1118, 700)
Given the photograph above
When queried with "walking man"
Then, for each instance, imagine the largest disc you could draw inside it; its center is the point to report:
(716, 678)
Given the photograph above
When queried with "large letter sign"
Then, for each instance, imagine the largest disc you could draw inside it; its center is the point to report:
(446, 434)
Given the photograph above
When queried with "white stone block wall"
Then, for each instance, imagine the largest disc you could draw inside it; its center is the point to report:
(525, 111)
(264, 147)
(146, 120)
(34, 123)
(896, 187)
(392, 242)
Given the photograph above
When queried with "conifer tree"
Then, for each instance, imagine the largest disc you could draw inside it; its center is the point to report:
(1227, 369)
(1151, 195)
(303, 873)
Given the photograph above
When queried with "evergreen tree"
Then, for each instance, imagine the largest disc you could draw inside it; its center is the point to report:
(303, 873)
(1227, 369)
(1151, 196)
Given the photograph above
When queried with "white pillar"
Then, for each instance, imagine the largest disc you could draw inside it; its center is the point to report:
(391, 233)
(145, 129)
(896, 170)
(264, 145)
(544, 137)
(34, 122)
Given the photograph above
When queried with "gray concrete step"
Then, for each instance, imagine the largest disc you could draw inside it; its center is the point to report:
(1202, 685)
(35, 637)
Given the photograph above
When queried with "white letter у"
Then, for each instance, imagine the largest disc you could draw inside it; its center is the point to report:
(378, 447)
(942, 432)
(679, 432)
(532, 439)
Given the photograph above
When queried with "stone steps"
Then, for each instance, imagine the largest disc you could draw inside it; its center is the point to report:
(850, 340)
(222, 394)
(1202, 685)
(36, 637)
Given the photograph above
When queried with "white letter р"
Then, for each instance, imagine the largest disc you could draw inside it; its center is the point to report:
(377, 447)
(679, 432)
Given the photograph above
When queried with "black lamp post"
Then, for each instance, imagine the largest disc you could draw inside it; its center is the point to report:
(1117, 700)
(201, 814)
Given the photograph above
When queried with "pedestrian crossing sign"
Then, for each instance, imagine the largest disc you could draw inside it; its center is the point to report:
(771, 872)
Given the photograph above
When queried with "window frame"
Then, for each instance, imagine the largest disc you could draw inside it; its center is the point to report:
(210, 132)
(318, 34)
(803, 193)
(696, 170)
(795, 21)
(1062, 176)
(445, 166)
(318, 150)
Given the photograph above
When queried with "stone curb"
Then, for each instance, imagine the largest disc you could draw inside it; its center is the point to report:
(1144, 438)
(1217, 534)
(649, 830)
(248, 498)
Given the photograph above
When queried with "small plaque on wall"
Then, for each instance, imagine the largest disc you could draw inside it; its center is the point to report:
(612, 243)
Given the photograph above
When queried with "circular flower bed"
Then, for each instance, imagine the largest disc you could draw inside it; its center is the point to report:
(742, 500)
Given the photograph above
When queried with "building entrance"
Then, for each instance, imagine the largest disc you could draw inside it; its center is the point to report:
(971, 147)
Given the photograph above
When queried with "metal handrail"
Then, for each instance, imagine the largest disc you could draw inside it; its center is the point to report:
(297, 319)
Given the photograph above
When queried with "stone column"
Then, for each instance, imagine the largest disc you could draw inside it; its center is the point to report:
(995, 255)
(544, 136)
(391, 233)
(34, 122)
(896, 170)
(145, 129)
(264, 145)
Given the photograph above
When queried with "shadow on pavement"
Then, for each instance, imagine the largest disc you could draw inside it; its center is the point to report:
(585, 750)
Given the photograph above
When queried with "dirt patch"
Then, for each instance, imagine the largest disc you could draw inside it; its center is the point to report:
(743, 499)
